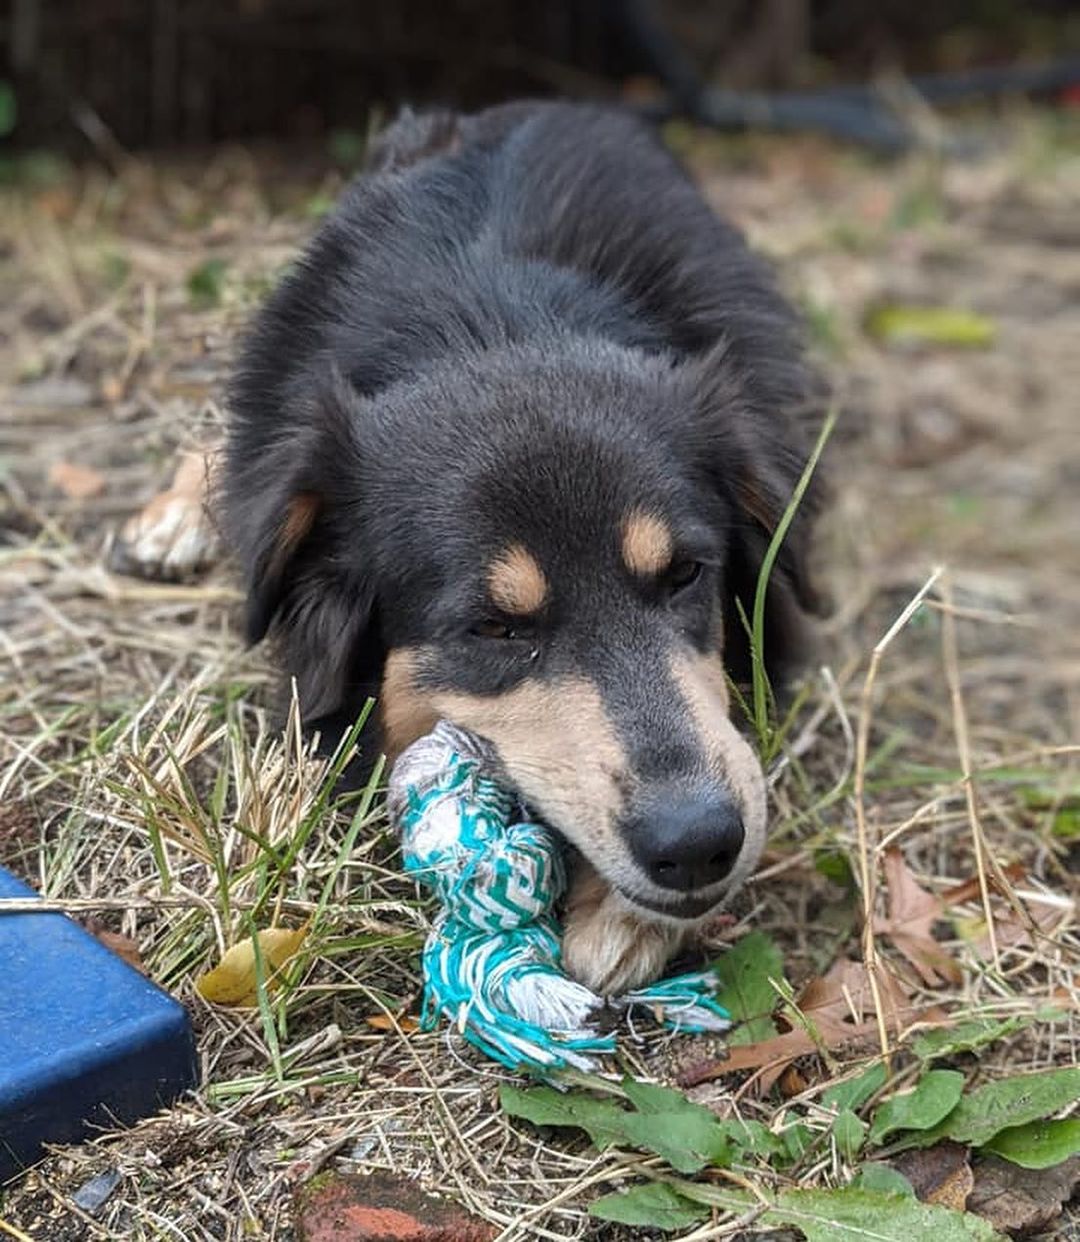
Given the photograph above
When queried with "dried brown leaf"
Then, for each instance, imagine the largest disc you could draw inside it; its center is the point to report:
(1021, 1201)
(840, 1015)
(969, 889)
(123, 946)
(1013, 930)
(386, 1022)
(938, 1174)
(910, 923)
(792, 1082)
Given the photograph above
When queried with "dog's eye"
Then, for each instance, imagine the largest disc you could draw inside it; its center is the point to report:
(491, 627)
(683, 574)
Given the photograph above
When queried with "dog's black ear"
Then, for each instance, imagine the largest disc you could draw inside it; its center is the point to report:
(286, 505)
(752, 437)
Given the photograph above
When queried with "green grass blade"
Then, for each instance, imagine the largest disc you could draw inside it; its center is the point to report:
(762, 692)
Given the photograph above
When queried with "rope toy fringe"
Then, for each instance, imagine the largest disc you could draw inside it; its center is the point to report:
(492, 961)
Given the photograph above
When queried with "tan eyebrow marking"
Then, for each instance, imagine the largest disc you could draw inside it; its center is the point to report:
(516, 582)
(647, 544)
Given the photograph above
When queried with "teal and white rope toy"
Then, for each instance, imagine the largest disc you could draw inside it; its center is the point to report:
(492, 961)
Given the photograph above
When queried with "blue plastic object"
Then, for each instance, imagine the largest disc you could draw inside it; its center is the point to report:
(86, 1042)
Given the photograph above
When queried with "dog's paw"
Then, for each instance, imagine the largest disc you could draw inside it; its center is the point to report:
(609, 947)
(172, 537)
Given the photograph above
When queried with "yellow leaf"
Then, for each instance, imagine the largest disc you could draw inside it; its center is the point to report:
(931, 325)
(385, 1022)
(233, 980)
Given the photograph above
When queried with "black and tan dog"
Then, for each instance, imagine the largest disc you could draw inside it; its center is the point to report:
(507, 445)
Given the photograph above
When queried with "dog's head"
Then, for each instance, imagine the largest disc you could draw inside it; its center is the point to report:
(545, 546)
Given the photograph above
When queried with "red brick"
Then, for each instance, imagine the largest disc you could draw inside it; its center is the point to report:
(380, 1208)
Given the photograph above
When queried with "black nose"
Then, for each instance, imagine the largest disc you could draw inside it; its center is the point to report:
(690, 844)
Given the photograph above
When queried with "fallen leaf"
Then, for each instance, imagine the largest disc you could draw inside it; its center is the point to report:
(839, 1014)
(938, 1174)
(792, 1082)
(387, 1022)
(910, 922)
(1015, 929)
(77, 482)
(971, 888)
(1020, 1201)
(234, 980)
(94, 1193)
(952, 1191)
(930, 325)
(123, 946)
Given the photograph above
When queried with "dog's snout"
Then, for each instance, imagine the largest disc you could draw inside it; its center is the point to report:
(687, 845)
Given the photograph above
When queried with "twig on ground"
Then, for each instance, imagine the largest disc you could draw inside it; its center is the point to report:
(868, 845)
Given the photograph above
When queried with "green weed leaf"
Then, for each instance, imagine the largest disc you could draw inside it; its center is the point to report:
(934, 1098)
(686, 1135)
(648, 1097)
(687, 1142)
(796, 1140)
(602, 1120)
(849, 1133)
(745, 991)
(1006, 1104)
(653, 1203)
(853, 1214)
(854, 1092)
(964, 1037)
(752, 1139)
(883, 1178)
(1037, 1145)
(206, 283)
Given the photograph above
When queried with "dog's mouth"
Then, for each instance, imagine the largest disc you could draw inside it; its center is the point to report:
(684, 909)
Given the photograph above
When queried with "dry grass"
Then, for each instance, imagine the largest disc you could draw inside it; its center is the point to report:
(141, 781)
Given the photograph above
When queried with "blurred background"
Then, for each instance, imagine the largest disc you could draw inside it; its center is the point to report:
(163, 72)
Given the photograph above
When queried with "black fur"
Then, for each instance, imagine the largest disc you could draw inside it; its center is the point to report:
(516, 325)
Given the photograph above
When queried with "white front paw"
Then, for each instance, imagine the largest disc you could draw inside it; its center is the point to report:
(612, 949)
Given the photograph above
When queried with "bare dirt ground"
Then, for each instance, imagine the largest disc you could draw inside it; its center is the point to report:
(140, 783)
